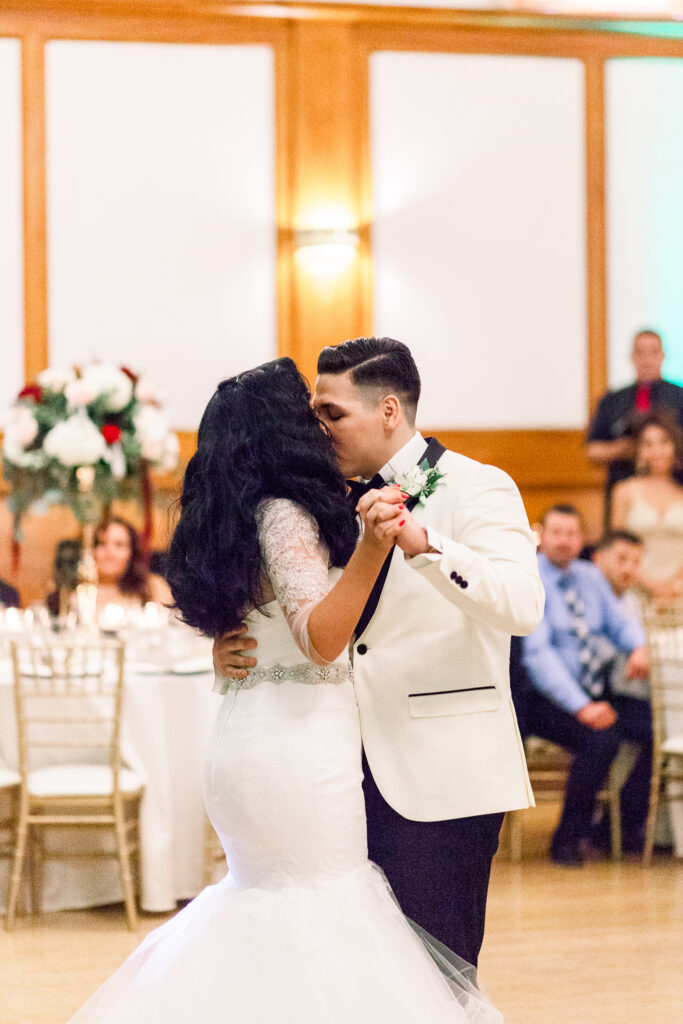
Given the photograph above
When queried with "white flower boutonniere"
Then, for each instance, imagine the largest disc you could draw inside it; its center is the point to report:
(420, 481)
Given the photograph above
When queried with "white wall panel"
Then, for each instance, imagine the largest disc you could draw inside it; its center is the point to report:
(161, 213)
(644, 209)
(479, 233)
(11, 230)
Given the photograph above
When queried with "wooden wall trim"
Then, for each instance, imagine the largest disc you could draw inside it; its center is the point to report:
(533, 458)
(35, 214)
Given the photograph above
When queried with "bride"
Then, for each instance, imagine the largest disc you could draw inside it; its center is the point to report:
(303, 929)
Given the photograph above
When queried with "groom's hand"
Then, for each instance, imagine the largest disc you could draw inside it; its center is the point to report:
(229, 659)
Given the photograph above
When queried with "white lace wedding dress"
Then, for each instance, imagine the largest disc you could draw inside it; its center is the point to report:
(303, 929)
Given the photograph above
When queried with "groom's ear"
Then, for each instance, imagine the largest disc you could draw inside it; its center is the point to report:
(392, 412)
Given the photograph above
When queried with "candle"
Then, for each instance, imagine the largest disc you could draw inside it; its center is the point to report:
(13, 620)
(112, 618)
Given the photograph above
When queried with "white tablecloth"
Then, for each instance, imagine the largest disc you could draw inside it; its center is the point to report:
(166, 723)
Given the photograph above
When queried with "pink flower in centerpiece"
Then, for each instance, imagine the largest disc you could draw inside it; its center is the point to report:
(146, 391)
(111, 433)
(79, 393)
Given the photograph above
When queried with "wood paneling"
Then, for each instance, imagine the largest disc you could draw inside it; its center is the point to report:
(35, 236)
(321, 59)
(595, 230)
(326, 128)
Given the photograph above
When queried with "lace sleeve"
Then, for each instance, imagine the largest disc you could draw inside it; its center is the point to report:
(296, 563)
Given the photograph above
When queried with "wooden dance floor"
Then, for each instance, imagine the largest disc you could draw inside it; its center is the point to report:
(598, 945)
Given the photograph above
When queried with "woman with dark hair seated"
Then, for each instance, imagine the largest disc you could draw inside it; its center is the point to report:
(123, 575)
(650, 505)
(303, 928)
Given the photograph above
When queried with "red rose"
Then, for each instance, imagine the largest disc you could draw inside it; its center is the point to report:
(33, 391)
(111, 433)
(129, 373)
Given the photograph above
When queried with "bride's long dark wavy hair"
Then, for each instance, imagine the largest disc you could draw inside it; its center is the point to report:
(258, 438)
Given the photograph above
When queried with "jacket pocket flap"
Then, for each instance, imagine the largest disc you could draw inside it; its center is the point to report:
(463, 701)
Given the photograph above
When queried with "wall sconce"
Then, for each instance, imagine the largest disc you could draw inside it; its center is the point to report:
(326, 250)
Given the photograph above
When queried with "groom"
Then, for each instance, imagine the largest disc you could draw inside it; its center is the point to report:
(442, 754)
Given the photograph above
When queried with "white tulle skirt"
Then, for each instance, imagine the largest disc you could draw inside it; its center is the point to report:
(335, 951)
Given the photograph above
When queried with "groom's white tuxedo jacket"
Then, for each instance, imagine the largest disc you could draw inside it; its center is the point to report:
(431, 669)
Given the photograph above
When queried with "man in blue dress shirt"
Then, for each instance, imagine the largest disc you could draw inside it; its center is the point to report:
(568, 659)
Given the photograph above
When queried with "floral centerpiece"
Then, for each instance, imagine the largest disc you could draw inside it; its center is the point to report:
(100, 416)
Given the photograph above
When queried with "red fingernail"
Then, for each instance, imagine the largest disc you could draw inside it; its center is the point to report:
(402, 522)
(401, 507)
(403, 494)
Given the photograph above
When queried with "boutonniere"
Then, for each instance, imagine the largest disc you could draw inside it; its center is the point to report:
(420, 481)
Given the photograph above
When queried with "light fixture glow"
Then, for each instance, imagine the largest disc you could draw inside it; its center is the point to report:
(326, 250)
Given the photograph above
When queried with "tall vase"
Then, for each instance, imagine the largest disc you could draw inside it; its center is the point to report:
(86, 588)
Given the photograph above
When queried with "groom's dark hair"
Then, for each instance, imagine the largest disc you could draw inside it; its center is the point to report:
(380, 363)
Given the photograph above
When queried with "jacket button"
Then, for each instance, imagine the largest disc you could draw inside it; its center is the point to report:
(362, 649)
(454, 576)
(464, 584)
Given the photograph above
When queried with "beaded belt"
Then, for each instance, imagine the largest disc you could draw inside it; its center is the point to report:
(306, 673)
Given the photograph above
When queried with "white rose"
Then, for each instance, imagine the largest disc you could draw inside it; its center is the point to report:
(75, 441)
(146, 391)
(79, 393)
(20, 432)
(110, 381)
(151, 428)
(55, 379)
(413, 481)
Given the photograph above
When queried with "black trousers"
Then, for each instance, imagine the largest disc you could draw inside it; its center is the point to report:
(439, 870)
(594, 750)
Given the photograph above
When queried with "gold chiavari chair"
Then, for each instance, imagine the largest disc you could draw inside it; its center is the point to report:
(549, 767)
(9, 794)
(68, 698)
(664, 628)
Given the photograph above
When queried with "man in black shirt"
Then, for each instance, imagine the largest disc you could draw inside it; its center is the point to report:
(610, 434)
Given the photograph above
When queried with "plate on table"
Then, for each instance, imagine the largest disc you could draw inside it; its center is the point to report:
(145, 668)
(192, 667)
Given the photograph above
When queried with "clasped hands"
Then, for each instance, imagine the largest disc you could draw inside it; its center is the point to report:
(599, 714)
(383, 513)
(386, 520)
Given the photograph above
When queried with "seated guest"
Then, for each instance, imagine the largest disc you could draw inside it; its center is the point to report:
(610, 434)
(9, 596)
(64, 576)
(651, 505)
(123, 576)
(568, 660)
(619, 556)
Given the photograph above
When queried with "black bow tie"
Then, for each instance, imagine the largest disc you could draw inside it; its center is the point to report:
(358, 489)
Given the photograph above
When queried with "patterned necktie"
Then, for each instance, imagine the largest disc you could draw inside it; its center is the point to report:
(591, 656)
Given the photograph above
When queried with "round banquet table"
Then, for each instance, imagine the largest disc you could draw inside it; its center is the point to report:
(167, 716)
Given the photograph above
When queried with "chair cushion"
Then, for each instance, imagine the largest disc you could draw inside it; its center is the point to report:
(8, 777)
(674, 745)
(80, 780)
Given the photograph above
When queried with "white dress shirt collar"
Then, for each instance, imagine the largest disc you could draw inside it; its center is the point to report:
(405, 458)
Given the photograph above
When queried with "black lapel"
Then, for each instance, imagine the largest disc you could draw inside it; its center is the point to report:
(432, 454)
